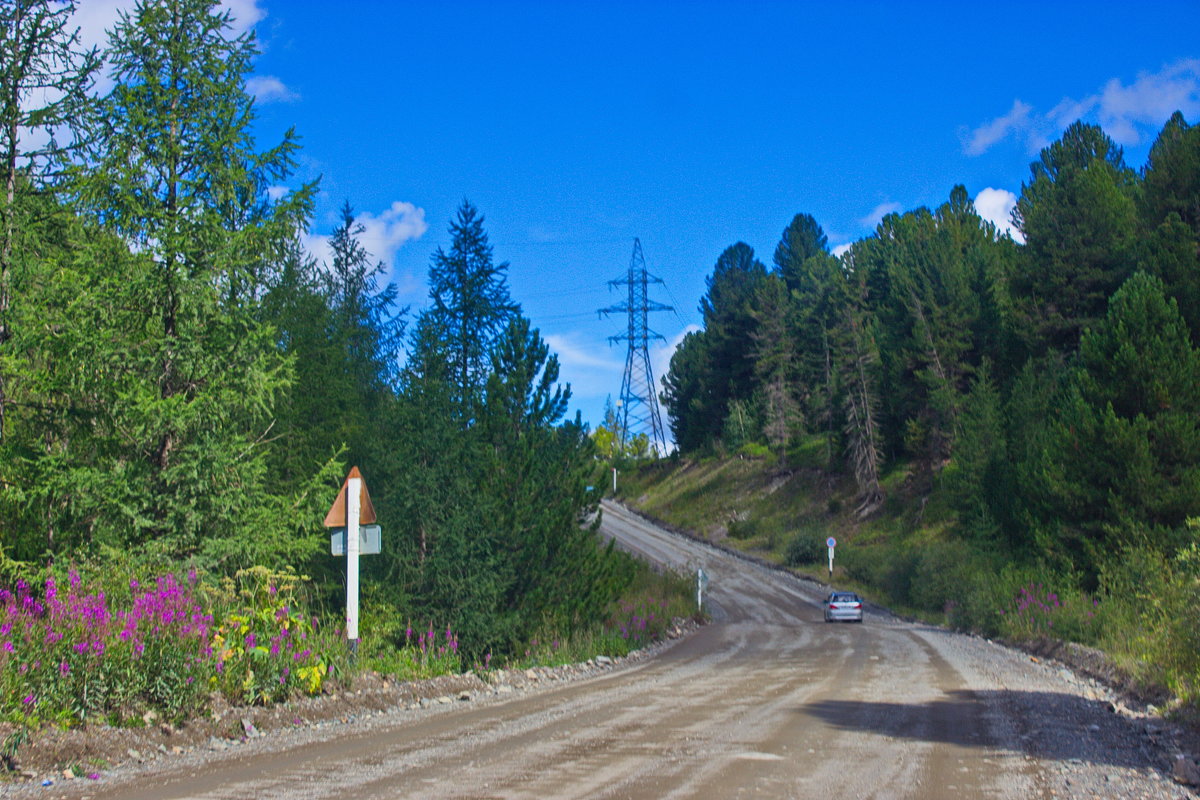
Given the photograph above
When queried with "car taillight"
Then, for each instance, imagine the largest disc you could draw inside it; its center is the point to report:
(857, 605)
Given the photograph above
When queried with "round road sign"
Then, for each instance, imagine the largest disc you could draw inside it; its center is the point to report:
(832, 542)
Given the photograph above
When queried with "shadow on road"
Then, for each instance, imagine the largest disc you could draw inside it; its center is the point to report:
(1061, 726)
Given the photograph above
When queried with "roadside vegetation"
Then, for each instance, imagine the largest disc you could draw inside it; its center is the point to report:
(911, 560)
(1001, 430)
(183, 387)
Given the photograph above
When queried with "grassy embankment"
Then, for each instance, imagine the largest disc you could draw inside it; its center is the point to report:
(910, 557)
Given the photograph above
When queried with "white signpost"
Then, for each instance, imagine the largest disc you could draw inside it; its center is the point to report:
(701, 585)
(831, 543)
(352, 516)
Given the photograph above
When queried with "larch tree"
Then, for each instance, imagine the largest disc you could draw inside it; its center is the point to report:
(45, 77)
(177, 174)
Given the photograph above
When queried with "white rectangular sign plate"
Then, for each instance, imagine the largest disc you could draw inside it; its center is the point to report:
(368, 540)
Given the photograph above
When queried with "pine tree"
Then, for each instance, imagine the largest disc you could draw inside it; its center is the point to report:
(775, 356)
(858, 357)
(1126, 445)
(1079, 220)
(802, 239)
(1170, 207)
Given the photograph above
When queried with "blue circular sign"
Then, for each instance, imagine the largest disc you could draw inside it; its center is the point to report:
(832, 542)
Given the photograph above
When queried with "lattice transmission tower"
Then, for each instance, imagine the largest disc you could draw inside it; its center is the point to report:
(638, 407)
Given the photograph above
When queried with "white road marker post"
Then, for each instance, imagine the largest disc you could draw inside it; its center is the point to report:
(614, 480)
(831, 543)
(353, 502)
(352, 518)
(701, 583)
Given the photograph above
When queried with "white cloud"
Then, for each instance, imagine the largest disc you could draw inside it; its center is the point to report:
(986, 135)
(382, 235)
(1129, 114)
(879, 212)
(269, 89)
(1127, 111)
(277, 192)
(996, 206)
(573, 355)
(841, 249)
(592, 370)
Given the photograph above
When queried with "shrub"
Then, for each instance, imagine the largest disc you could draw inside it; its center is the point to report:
(1151, 603)
(743, 529)
(806, 547)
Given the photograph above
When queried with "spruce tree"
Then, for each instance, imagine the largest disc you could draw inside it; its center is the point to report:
(471, 307)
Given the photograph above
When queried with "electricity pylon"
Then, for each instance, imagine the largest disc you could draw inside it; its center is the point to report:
(638, 407)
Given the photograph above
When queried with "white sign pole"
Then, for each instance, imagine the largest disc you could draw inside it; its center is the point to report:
(614, 480)
(353, 501)
(831, 562)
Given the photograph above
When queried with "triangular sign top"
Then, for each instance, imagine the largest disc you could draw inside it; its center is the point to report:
(336, 518)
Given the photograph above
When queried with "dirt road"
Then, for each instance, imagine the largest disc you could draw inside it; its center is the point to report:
(768, 701)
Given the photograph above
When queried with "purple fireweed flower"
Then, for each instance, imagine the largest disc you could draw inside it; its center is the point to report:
(250, 640)
(275, 648)
(29, 700)
(8, 646)
(133, 584)
(51, 589)
(64, 668)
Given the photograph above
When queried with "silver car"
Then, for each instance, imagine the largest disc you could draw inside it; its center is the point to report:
(843, 606)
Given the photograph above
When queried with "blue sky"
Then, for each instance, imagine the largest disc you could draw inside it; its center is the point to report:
(577, 126)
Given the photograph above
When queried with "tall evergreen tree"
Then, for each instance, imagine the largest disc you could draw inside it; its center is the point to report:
(1126, 442)
(471, 306)
(728, 326)
(802, 239)
(775, 357)
(1078, 216)
(688, 395)
(176, 173)
(45, 77)
(1170, 205)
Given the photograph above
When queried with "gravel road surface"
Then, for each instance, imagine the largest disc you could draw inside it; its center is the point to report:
(768, 701)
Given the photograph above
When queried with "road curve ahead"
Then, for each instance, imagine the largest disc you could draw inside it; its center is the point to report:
(768, 701)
